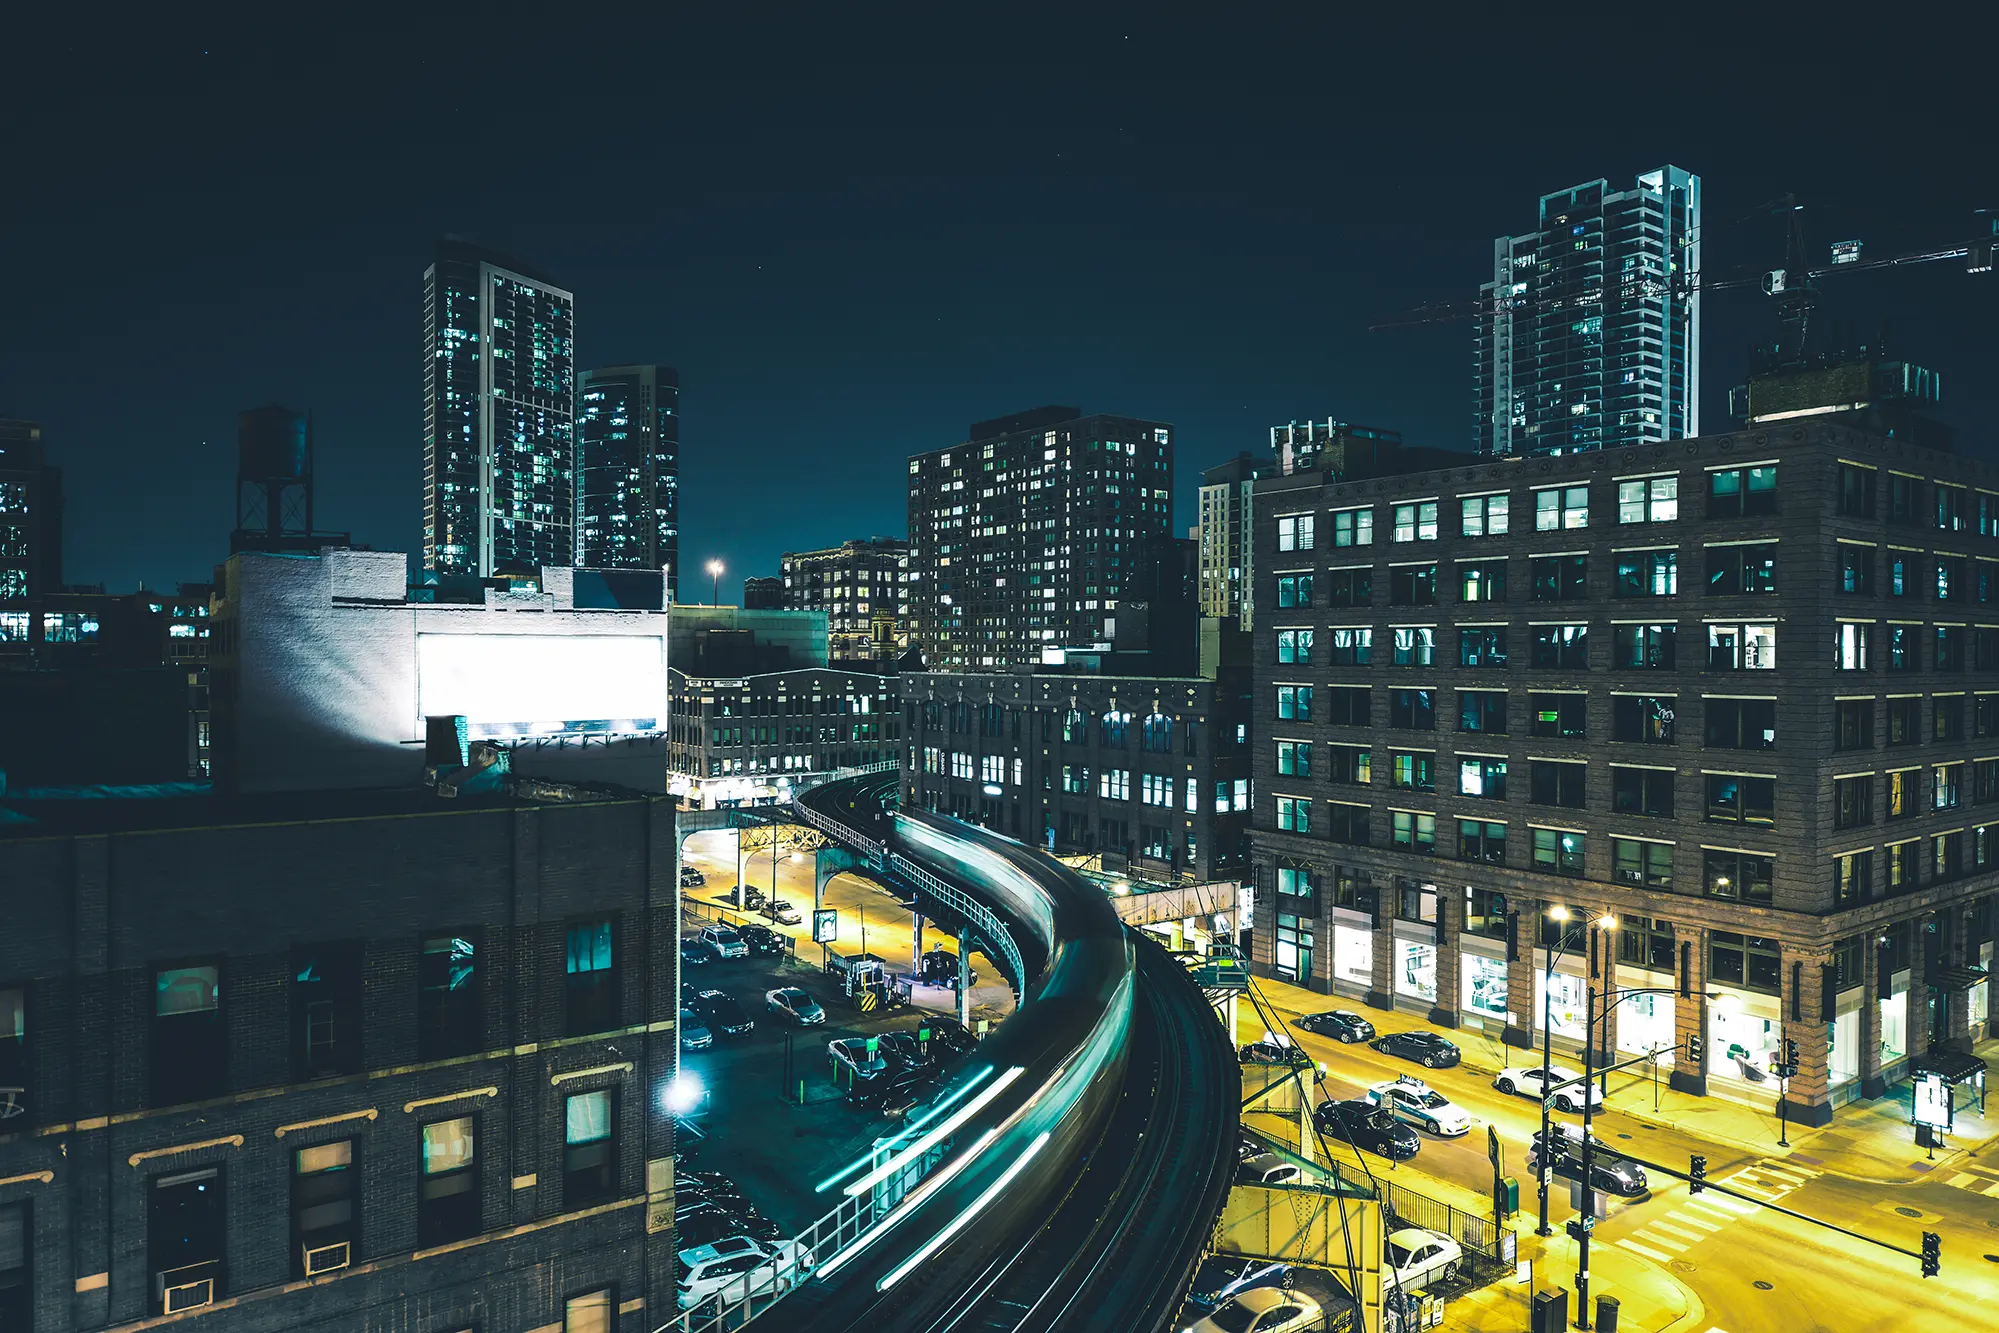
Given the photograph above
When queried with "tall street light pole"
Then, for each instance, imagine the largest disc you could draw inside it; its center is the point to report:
(1560, 914)
(715, 569)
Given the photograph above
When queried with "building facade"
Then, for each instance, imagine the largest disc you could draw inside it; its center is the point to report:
(1025, 536)
(1303, 444)
(499, 404)
(763, 593)
(754, 738)
(1755, 725)
(628, 465)
(425, 1075)
(1588, 336)
(30, 515)
(863, 587)
(1226, 552)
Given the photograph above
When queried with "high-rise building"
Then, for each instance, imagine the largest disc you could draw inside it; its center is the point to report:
(628, 462)
(1589, 337)
(1223, 535)
(863, 587)
(499, 400)
(30, 514)
(1027, 535)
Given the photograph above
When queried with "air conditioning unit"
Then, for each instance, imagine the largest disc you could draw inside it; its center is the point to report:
(190, 1295)
(326, 1258)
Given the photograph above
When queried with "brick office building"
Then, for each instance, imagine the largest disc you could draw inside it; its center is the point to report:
(1740, 692)
(355, 1060)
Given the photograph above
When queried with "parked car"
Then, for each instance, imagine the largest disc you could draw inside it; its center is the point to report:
(1221, 1276)
(693, 953)
(752, 897)
(853, 1053)
(1339, 1024)
(1610, 1171)
(1425, 1048)
(724, 941)
(795, 1004)
(720, 1011)
(1526, 1081)
(1419, 1257)
(1266, 1168)
(906, 1051)
(894, 1092)
(1262, 1310)
(1365, 1125)
(1272, 1051)
(691, 877)
(940, 968)
(782, 912)
(949, 1037)
(763, 942)
(694, 1034)
(735, 1269)
(1415, 1101)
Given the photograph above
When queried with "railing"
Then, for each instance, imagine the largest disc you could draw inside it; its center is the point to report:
(839, 832)
(1474, 1231)
(974, 913)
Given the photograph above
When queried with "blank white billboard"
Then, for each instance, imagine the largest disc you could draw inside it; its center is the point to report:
(543, 684)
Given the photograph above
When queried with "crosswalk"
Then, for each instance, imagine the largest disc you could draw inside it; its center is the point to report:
(1976, 1178)
(1700, 1217)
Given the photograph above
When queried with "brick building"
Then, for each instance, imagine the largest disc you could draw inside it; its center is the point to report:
(1757, 723)
(365, 1060)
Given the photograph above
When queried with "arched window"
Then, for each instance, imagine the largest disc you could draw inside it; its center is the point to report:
(1113, 729)
(1158, 734)
(1075, 728)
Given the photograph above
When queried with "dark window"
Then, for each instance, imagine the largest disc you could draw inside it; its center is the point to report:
(17, 1292)
(1349, 587)
(1750, 961)
(450, 1021)
(448, 1189)
(1347, 823)
(1856, 570)
(1552, 783)
(1904, 873)
(1947, 717)
(1347, 706)
(1985, 715)
(1156, 734)
(1482, 711)
(1646, 863)
(1902, 506)
(1481, 840)
(1950, 647)
(1560, 578)
(1853, 724)
(1642, 791)
(1745, 570)
(1643, 647)
(1853, 878)
(1647, 574)
(1953, 509)
(589, 1148)
(1645, 942)
(326, 1010)
(1485, 909)
(1984, 789)
(16, 1093)
(190, 1046)
(185, 1227)
(1643, 719)
(1349, 765)
(1349, 647)
(1560, 715)
(1904, 799)
(1735, 799)
(1856, 491)
(992, 720)
(1075, 728)
(1905, 720)
(326, 1221)
(1412, 709)
(1482, 581)
(1985, 649)
(1738, 876)
(1482, 646)
(1740, 724)
(1563, 647)
(1415, 901)
(1852, 802)
(590, 998)
(1558, 853)
(1953, 584)
(1735, 492)
(1412, 585)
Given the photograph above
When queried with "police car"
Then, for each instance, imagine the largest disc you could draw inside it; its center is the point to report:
(1412, 1100)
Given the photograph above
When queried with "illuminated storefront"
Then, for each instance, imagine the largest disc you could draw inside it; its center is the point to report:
(1561, 1003)
(1645, 1022)
(1353, 957)
(1416, 971)
(1744, 1032)
(1482, 987)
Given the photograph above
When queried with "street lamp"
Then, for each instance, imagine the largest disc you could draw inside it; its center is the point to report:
(715, 571)
(1560, 914)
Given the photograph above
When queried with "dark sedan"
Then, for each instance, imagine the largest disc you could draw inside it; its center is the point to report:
(1425, 1048)
(722, 1014)
(1609, 1172)
(1365, 1125)
(763, 942)
(1272, 1053)
(693, 953)
(1339, 1024)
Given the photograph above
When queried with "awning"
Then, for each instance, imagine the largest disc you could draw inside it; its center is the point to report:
(1956, 978)
(1954, 1066)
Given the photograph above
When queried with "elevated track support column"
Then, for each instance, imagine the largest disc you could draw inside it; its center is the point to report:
(833, 859)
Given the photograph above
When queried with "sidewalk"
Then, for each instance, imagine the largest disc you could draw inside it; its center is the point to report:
(1650, 1300)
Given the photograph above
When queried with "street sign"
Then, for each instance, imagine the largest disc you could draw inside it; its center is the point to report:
(825, 925)
(1933, 1102)
(1492, 1146)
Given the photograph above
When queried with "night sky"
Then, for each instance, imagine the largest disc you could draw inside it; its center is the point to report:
(854, 238)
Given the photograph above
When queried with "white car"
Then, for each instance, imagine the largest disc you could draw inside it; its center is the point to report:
(1415, 1101)
(725, 942)
(739, 1268)
(1420, 1257)
(795, 1004)
(1526, 1082)
(1262, 1310)
(853, 1052)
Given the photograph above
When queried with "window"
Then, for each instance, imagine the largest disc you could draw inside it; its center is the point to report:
(1946, 856)
(1950, 648)
(1953, 508)
(1642, 719)
(1561, 507)
(1294, 702)
(1413, 770)
(190, 1044)
(1482, 581)
(325, 1206)
(1901, 578)
(961, 765)
(1295, 882)
(185, 1233)
(1294, 532)
(1482, 516)
(1740, 724)
(1738, 876)
(1947, 717)
(1856, 570)
(592, 1312)
(1853, 801)
(1114, 784)
(1903, 871)
(1905, 720)
(1349, 587)
(1484, 646)
(16, 1266)
(1294, 759)
(1946, 780)
(1742, 647)
(1646, 942)
(1853, 724)
(1985, 648)
(1412, 585)
(1412, 709)
(1560, 578)
(1349, 765)
(1353, 527)
(1347, 706)
(1648, 500)
(1852, 878)
(1648, 574)
(1904, 648)
(589, 1148)
(1294, 590)
(1416, 521)
(1561, 647)
(1414, 832)
(1642, 791)
(1481, 840)
(1294, 814)
(1482, 776)
(1733, 570)
(1075, 727)
(1734, 798)
(1558, 853)
(1739, 492)
(450, 1021)
(1350, 647)
(1952, 583)
(1347, 823)
(1415, 901)
(590, 1000)
(14, 1060)
(1113, 727)
(1644, 647)
(1156, 790)
(1985, 715)
(1849, 647)
(1856, 491)
(1075, 780)
(1649, 864)
(447, 1206)
(326, 1010)
(1984, 790)
(1903, 800)
(1294, 645)
(1751, 962)
(1560, 715)
(1415, 645)
(1554, 783)
(1901, 498)
(1485, 909)
(1482, 710)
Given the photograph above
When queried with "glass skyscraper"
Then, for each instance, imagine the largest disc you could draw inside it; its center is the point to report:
(628, 459)
(1588, 337)
(499, 401)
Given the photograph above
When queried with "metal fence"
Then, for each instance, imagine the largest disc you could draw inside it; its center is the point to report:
(974, 913)
(1406, 1207)
(839, 832)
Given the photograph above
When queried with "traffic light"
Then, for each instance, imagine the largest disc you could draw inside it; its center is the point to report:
(1694, 1045)
(1932, 1254)
(1697, 1174)
(1790, 1053)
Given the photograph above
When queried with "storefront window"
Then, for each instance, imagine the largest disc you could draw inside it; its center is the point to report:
(1645, 1022)
(1294, 947)
(1844, 1059)
(1416, 970)
(1563, 1004)
(1353, 955)
(1895, 1026)
(1484, 986)
(1743, 1032)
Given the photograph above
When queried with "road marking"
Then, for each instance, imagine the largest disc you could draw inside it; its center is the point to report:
(1728, 1208)
(1686, 1219)
(1796, 1175)
(1664, 1224)
(1676, 1246)
(1653, 1255)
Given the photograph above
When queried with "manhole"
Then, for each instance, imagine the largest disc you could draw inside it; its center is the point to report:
(1764, 1286)
(1681, 1266)
(1992, 1258)
(1623, 1136)
(1907, 1211)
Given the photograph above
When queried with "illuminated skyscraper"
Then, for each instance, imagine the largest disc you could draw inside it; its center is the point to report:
(30, 516)
(1588, 339)
(628, 459)
(499, 401)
